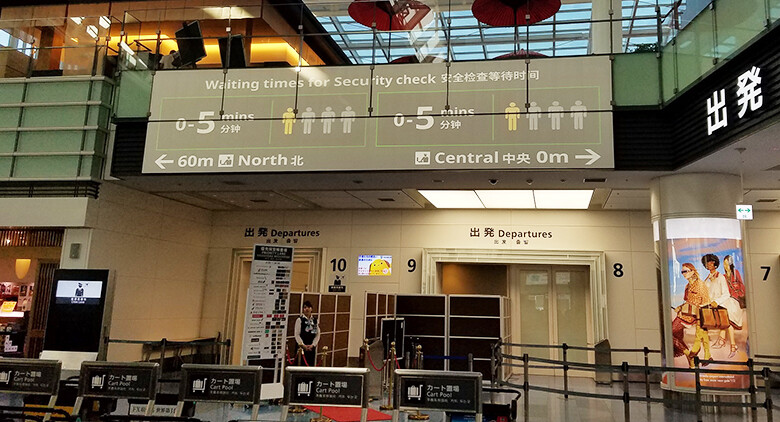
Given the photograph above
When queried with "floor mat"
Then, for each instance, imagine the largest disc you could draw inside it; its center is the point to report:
(348, 414)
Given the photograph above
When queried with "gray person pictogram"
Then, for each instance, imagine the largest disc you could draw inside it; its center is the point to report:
(347, 118)
(534, 113)
(308, 118)
(556, 113)
(328, 117)
(579, 112)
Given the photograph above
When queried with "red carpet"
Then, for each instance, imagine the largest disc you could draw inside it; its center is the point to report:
(348, 414)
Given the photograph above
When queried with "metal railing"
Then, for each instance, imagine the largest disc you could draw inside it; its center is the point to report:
(755, 369)
(212, 348)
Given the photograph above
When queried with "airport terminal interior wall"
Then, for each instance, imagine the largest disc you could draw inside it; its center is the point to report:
(173, 261)
(626, 237)
(157, 249)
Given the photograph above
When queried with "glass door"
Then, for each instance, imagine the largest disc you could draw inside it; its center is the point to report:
(550, 305)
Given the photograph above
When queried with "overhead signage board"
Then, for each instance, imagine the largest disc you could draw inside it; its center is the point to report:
(553, 113)
(137, 380)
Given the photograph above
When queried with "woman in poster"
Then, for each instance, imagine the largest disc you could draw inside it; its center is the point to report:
(696, 295)
(734, 280)
(720, 296)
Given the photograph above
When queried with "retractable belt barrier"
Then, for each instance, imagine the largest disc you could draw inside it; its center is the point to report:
(447, 391)
(35, 377)
(319, 386)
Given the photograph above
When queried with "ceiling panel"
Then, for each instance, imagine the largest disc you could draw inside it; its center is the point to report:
(385, 198)
(628, 199)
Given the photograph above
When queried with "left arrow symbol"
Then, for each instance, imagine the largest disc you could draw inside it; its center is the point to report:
(160, 161)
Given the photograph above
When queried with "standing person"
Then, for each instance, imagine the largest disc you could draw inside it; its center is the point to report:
(696, 295)
(307, 334)
(720, 296)
(168, 61)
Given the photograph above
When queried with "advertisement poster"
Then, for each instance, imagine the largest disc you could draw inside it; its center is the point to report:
(707, 291)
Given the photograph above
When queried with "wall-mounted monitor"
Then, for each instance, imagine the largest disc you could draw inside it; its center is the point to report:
(190, 41)
(375, 265)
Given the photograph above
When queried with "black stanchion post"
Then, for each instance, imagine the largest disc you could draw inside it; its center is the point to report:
(565, 371)
(752, 390)
(626, 395)
(697, 376)
(470, 361)
(526, 388)
(646, 351)
(768, 392)
(163, 343)
(493, 367)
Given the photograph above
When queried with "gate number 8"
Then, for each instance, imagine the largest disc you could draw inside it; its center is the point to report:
(618, 267)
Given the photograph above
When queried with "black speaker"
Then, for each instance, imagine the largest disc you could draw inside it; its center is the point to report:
(190, 41)
(237, 56)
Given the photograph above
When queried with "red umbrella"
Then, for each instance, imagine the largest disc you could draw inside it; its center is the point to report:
(513, 12)
(402, 15)
(521, 54)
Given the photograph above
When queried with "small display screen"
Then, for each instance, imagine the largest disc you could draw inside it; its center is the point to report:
(78, 292)
(375, 264)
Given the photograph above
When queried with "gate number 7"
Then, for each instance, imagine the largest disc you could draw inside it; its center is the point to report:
(766, 272)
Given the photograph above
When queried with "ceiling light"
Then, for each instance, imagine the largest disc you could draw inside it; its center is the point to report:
(104, 22)
(506, 198)
(92, 31)
(22, 267)
(452, 198)
(563, 199)
(77, 20)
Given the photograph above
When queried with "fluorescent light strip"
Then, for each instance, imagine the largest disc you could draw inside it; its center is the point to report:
(563, 199)
(509, 199)
(515, 199)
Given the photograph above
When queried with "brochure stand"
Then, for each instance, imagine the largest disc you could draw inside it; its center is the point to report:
(320, 386)
(110, 380)
(220, 384)
(30, 376)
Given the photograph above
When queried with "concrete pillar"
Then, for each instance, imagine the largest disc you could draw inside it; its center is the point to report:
(695, 228)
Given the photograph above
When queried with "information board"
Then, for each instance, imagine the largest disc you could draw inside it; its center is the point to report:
(326, 386)
(29, 376)
(552, 113)
(136, 380)
(437, 390)
(265, 322)
(220, 383)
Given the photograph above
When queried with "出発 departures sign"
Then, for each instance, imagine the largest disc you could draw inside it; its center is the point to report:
(501, 115)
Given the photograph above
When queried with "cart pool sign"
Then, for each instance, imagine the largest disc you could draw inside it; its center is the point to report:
(550, 113)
